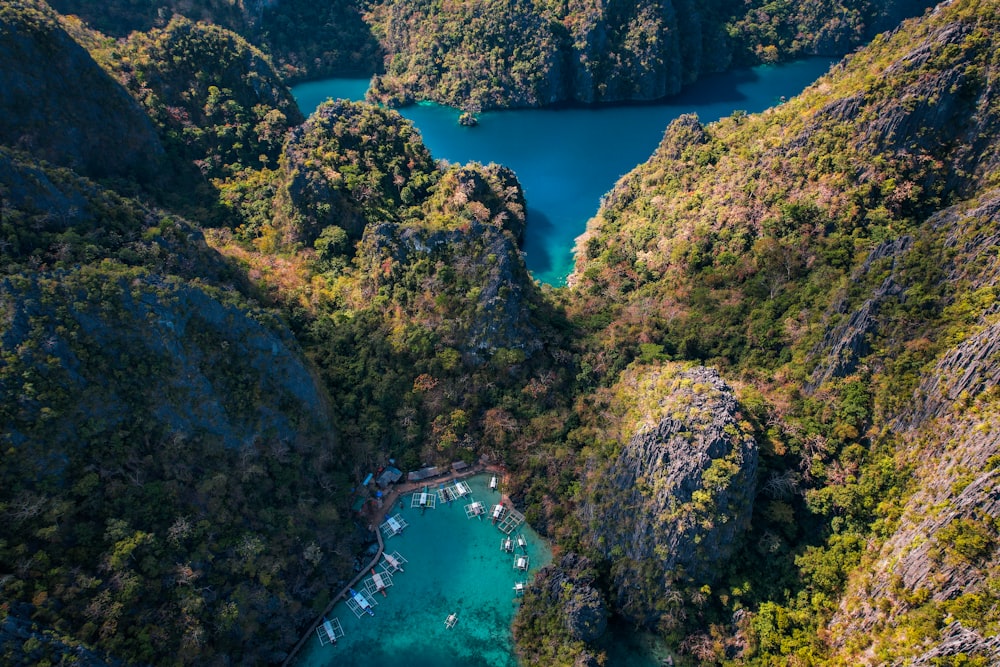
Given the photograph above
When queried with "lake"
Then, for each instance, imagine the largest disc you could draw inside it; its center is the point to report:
(567, 159)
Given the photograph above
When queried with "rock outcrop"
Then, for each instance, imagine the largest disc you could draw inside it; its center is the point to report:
(563, 601)
(350, 165)
(846, 343)
(947, 539)
(960, 643)
(672, 503)
(466, 252)
(570, 587)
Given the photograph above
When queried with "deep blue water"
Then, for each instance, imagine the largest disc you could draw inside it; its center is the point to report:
(567, 159)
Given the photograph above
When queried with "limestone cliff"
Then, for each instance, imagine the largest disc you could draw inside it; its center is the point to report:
(152, 418)
(942, 554)
(670, 505)
(466, 253)
(347, 166)
(529, 54)
(564, 601)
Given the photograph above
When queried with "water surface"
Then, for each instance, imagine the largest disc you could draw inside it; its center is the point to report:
(567, 159)
(456, 566)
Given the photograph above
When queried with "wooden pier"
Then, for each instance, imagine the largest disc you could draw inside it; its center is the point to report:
(294, 652)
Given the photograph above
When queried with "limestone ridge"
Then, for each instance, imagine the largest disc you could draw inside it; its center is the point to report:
(350, 165)
(675, 500)
(945, 544)
(959, 641)
(567, 593)
(197, 348)
(470, 242)
(593, 51)
(847, 343)
(61, 106)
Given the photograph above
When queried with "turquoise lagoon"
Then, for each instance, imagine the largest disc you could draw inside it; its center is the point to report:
(455, 566)
(567, 159)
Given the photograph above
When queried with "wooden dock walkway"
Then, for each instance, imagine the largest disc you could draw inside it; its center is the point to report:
(387, 507)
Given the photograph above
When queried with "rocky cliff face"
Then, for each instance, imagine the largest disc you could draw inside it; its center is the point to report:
(147, 405)
(58, 104)
(674, 500)
(218, 103)
(466, 252)
(944, 548)
(594, 51)
(347, 166)
(566, 596)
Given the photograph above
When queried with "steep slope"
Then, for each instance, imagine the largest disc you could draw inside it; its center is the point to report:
(671, 505)
(216, 99)
(153, 422)
(810, 251)
(59, 104)
(534, 53)
(350, 165)
(725, 224)
(306, 38)
(939, 562)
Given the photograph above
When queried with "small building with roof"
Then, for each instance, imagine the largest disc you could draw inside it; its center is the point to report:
(389, 476)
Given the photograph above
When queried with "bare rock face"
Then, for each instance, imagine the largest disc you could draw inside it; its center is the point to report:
(674, 501)
(570, 586)
(946, 541)
(846, 344)
(959, 640)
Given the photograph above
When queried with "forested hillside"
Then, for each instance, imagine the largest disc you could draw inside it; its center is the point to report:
(497, 54)
(834, 258)
(761, 421)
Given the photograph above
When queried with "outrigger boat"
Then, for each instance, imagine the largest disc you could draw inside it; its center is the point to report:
(493, 483)
(362, 602)
(379, 583)
(507, 544)
(521, 542)
(393, 561)
(329, 631)
(451, 620)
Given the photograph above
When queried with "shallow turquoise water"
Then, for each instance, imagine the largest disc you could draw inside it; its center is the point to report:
(455, 566)
(567, 159)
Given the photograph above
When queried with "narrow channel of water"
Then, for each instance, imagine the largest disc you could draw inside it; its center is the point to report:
(567, 159)
(455, 565)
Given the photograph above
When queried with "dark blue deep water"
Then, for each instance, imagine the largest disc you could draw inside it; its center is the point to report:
(567, 159)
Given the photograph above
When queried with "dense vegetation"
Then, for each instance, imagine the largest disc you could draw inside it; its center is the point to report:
(200, 360)
(306, 38)
(796, 251)
(535, 53)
